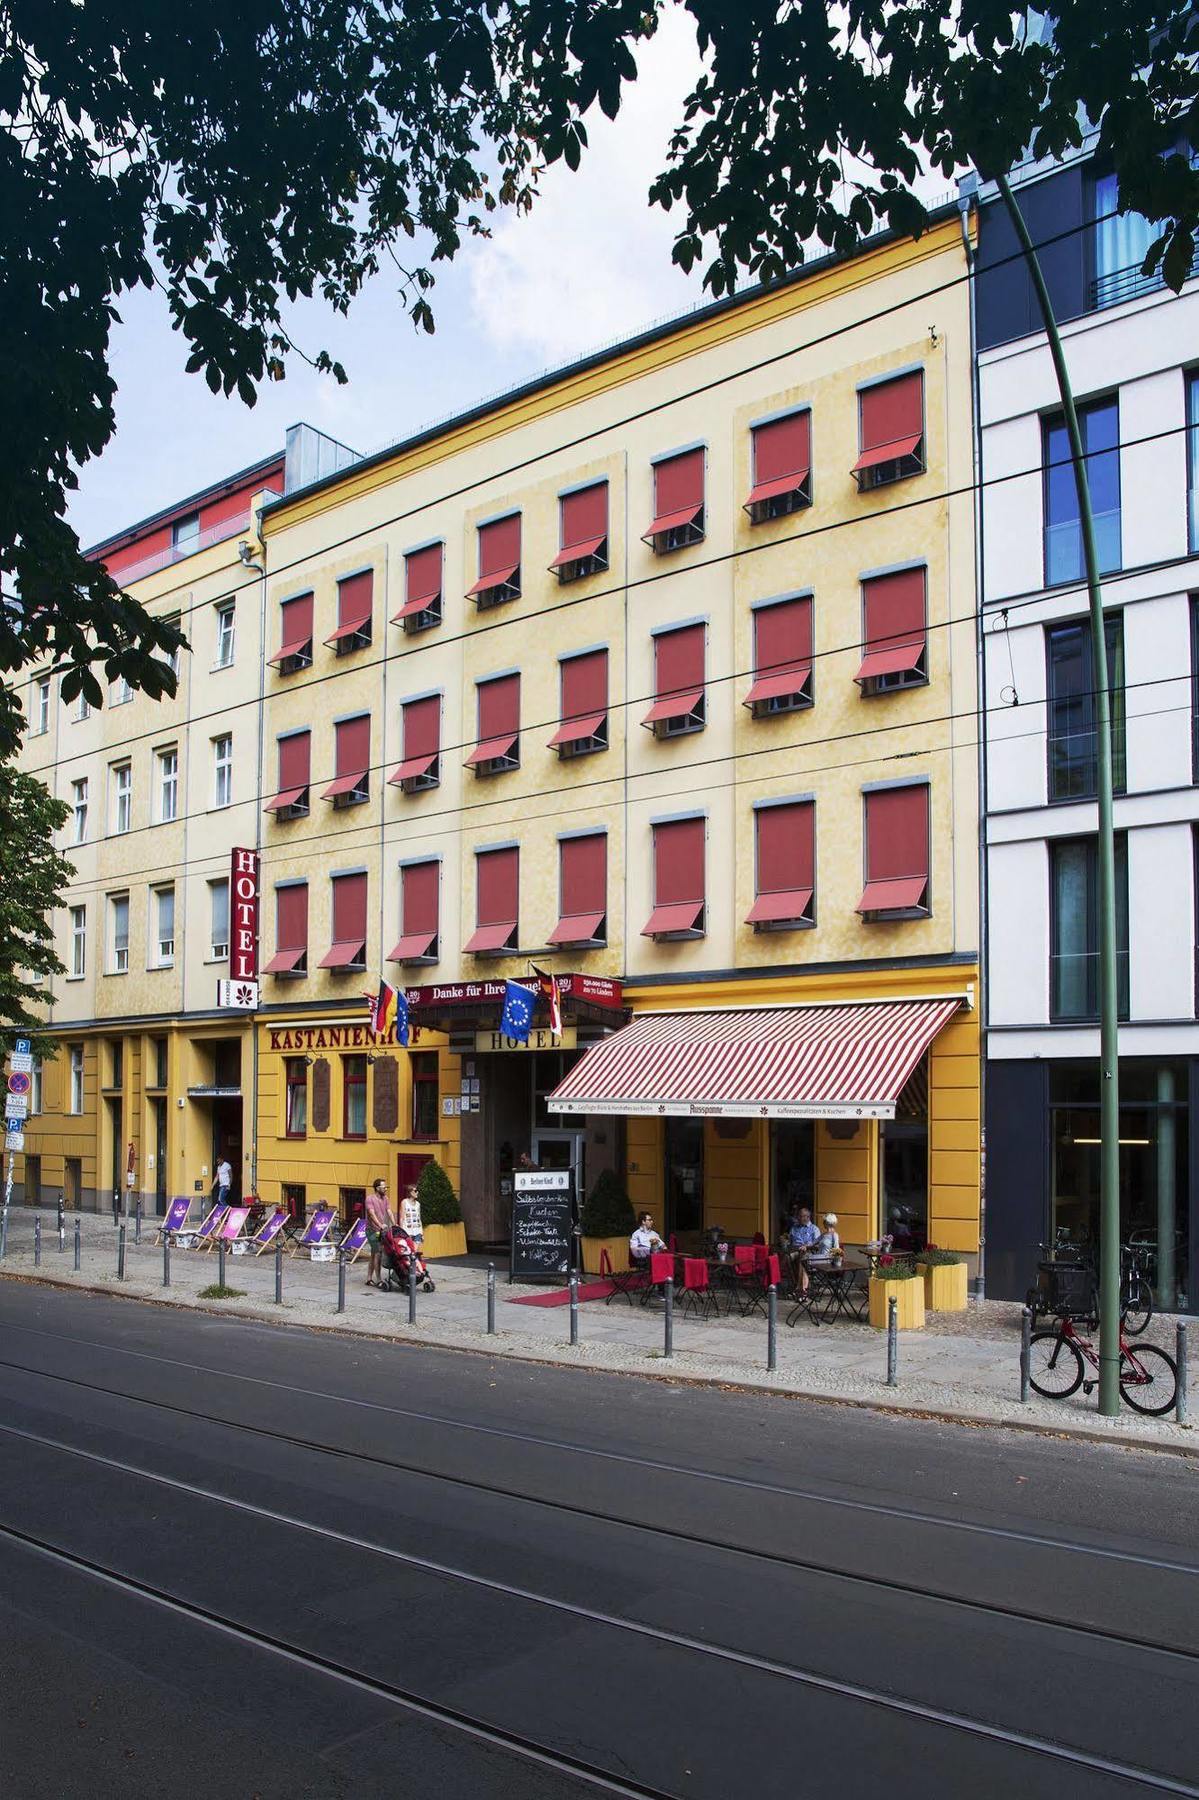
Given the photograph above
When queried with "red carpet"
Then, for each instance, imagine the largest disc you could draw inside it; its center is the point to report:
(594, 1290)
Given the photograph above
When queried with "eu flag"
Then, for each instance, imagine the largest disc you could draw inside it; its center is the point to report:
(401, 1017)
(517, 1015)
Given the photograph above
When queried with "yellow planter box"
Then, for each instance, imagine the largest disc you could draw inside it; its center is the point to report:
(909, 1313)
(445, 1240)
(945, 1286)
(617, 1248)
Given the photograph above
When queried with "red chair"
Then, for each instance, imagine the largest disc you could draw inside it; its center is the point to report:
(661, 1270)
(758, 1238)
(745, 1273)
(697, 1293)
(624, 1281)
(673, 1245)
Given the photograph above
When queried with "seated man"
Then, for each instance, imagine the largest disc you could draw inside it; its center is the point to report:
(803, 1235)
(644, 1240)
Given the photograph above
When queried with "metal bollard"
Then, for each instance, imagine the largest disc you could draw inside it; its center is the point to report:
(1025, 1351)
(3, 1232)
(220, 1262)
(772, 1327)
(1180, 1354)
(574, 1307)
(412, 1292)
(37, 1242)
(121, 1251)
(137, 1222)
(668, 1296)
(78, 1245)
(166, 1260)
(278, 1272)
(491, 1299)
(892, 1342)
(341, 1284)
(62, 1226)
(116, 1206)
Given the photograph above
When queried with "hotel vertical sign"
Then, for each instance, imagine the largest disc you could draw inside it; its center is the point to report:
(240, 992)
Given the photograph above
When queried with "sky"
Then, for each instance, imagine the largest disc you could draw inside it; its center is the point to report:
(590, 263)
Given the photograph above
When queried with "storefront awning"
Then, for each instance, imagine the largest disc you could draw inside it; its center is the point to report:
(844, 1061)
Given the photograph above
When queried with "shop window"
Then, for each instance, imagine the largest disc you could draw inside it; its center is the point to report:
(894, 631)
(355, 604)
(679, 706)
(291, 930)
(583, 704)
(897, 853)
(890, 431)
(420, 896)
(295, 1199)
(782, 657)
(679, 908)
(1072, 742)
(351, 785)
(422, 588)
(1099, 425)
(1074, 928)
(582, 533)
(295, 635)
(425, 1101)
(499, 562)
(497, 894)
(296, 1091)
(582, 892)
(785, 864)
(353, 1080)
(782, 467)
(347, 953)
(295, 759)
(498, 746)
(421, 737)
(678, 502)
(351, 1204)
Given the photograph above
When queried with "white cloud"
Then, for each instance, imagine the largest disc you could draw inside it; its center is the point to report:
(591, 261)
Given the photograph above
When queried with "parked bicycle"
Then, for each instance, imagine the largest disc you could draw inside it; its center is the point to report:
(1057, 1364)
(1073, 1264)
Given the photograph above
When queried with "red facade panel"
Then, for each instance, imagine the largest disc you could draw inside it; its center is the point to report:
(679, 862)
(499, 707)
(679, 661)
(422, 728)
(585, 686)
(295, 760)
(583, 875)
(291, 917)
(419, 889)
(349, 909)
(353, 755)
(786, 843)
(497, 876)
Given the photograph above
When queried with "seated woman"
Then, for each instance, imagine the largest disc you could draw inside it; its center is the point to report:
(828, 1244)
(645, 1239)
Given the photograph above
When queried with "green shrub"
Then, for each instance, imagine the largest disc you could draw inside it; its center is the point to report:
(896, 1268)
(607, 1211)
(438, 1201)
(933, 1258)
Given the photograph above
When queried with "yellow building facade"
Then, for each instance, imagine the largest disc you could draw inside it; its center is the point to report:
(398, 642)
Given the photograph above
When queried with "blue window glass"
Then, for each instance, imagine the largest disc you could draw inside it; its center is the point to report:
(1099, 423)
(1193, 461)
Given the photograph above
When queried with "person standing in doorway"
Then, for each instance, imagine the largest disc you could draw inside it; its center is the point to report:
(378, 1220)
(222, 1187)
(410, 1219)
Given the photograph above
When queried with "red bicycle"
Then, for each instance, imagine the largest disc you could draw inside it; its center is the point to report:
(1057, 1367)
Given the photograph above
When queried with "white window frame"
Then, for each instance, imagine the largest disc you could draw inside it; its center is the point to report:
(79, 810)
(166, 763)
(83, 709)
(120, 693)
(118, 955)
(76, 1095)
(35, 1088)
(78, 916)
(222, 770)
(164, 958)
(218, 948)
(226, 634)
(122, 798)
(41, 690)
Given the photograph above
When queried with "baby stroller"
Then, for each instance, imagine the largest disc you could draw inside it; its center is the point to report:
(400, 1254)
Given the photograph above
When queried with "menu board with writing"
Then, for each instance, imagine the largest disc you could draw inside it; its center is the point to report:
(542, 1225)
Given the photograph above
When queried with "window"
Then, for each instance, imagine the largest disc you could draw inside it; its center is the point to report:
(295, 1199)
(896, 853)
(78, 942)
(894, 632)
(679, 706)
(291, 930)
(168, 785)
(295, 756)
(782, 467)
(218, 920)
(583, 704)
(79, 811)
(296, 1085)
(120, 693)
(351, 785)
(161, 1062)
(1072, 735)
(421, 736)
(36, 1089)
(422, 588)
(76, 1078)
(497, 893)
(118, 915)
(122, 797)
(498, 746)
(226, 617)
(785, 864)
(1074, 928)
(173, 620)
(348, 949)
(1099, 425)
(499, 562)
(582, 891)
(116, 1063)
(582, 533)
(678, 502)
(679, 910)
(425, 1110)
(222, 770)
(164, 926)
(295, 635)
(1192, 463)
(890, 431)
(353, 1087)
(41, 708)
(83, 709)
(782, 657)
(1121, 243)
(355, 602)
(185, 535)
(420, 885)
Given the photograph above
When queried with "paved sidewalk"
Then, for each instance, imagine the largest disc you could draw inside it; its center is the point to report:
(964, 1365)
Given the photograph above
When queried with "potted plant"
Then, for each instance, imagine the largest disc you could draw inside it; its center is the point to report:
(606, 1218)
(441, 1215)
(895, 1275)
(944, 1278)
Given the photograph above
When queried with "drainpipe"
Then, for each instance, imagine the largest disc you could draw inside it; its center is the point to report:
(247, 554)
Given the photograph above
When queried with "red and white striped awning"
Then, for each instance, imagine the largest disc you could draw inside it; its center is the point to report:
(842, 1061)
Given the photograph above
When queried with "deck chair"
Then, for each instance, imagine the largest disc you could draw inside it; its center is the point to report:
(353, 1243)
(229, 1228)
(268, 1231)
(175, 1219)
(316, 1231)
(202, 1236)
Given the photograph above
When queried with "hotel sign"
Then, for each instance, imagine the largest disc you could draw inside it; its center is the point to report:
(240, 992)
(538, 1039)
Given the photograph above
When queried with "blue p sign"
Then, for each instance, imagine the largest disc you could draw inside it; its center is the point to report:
(22, 1046)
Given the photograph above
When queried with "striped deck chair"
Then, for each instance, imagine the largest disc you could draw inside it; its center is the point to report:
(175, 1219)
(201, 1237)
(354, 1241)
(316, 1231)
(229, 1228)
(268, 1231)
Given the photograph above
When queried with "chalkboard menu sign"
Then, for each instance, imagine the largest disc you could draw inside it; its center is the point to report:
(542, 1225)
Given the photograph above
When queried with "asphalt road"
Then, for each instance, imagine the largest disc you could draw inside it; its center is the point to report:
(246, 1561)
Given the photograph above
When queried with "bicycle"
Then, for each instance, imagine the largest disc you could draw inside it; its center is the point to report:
(1057, 1367)
(1136, 1295)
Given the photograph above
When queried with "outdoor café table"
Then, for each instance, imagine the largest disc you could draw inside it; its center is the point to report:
(833, 1292)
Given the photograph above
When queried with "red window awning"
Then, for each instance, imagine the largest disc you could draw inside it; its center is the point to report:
(284, 961)
(895, 610)
(673, 706)
(499, 554)
(817, 1062)
(489, 937)
(778, 683)
(355, 600)
(897, 850)
(582, 888)
(785, 857)
(295, 632)
(782, 648)
(782, 456)
(895, 661)
(784, 903)
(890, 419)
(342, 955)
(414, 946)
(420, 885)
(421, 737)
(291, 926)
(900, 895)
(422, 581)
(415, 765)
(490, 749)
(688, 515)
(576, 552)
(677, 915)
(881, 453)
(497, 890)
(576, 928)
(499, 578)
(678, 673)
(288, 797)
(782, 484)
(573, 731)
(343, 784)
